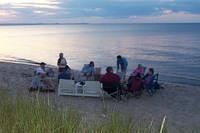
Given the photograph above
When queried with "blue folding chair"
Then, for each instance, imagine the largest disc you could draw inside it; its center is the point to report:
(152, 86)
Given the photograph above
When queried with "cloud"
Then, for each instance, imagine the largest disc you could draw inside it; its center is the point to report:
(43, 12)
(169, 17)
(99, 10)
(167, 11)
(28, 10)
(31, 3)
(7, 14)
(35, 5)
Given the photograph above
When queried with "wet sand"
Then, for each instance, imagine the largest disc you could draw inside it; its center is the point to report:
(180, 103)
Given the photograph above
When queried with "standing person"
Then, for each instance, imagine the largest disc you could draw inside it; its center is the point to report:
(61, 63)
(122, 64)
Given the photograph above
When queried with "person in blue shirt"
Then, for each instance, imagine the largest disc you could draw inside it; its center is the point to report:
(88, 69)
(66, 74)
(122, 63)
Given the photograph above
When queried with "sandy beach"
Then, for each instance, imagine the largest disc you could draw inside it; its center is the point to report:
(180, 103)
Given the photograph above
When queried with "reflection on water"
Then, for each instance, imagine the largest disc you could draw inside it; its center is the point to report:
(172, 49)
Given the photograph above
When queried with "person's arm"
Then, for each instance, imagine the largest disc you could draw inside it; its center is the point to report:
(84, 68)
(126, 63)
(65, 61)
(58, 62)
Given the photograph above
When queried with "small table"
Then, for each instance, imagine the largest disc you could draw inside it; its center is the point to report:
(80, 88)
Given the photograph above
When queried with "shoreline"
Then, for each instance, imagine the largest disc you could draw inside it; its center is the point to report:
(21, 61)
(180, 103)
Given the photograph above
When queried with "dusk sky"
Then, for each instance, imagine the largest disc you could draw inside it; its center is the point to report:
(99, 11)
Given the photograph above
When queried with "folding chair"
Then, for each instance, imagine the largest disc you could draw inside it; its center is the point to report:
(112, 90)
(135, 87)
(66, 87)
(151, 87)
(92, 89)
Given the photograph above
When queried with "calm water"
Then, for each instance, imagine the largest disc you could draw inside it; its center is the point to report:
(172, 49)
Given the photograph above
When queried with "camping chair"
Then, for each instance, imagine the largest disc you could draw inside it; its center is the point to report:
(144, 69)
(92, 89)
(66, 87)
(112, 90)
(135, 87)
(152, 86)
(43, 84)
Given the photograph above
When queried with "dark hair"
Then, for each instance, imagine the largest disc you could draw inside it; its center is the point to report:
(60, 55)
(152, 70)
(42, 63)
(119, 57)
(109, 69)
(91, 62)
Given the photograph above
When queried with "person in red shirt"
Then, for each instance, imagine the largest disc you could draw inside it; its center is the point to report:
(110, 80)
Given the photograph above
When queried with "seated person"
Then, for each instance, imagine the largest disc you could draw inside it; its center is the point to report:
(41, 71)
(139, 70)
(40, 78)
(110, 81)
(88, 69)
(148, 77)
(66, 74)
(136, 86)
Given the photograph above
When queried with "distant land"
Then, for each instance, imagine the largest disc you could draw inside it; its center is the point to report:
(42, 24)
(14, 24)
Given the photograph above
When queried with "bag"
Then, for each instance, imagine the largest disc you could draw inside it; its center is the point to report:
(157, 86)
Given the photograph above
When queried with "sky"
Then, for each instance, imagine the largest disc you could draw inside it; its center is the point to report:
(99, 11)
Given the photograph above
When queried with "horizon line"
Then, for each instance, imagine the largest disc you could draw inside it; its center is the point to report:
(82, 23)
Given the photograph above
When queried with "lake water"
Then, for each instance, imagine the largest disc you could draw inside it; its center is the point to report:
(172, 49)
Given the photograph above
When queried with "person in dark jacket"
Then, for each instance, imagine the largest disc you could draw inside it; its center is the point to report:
(110, 81)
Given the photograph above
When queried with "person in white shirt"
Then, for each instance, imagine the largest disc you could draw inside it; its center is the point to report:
(61, 63)
(40, 78)
(40, 71)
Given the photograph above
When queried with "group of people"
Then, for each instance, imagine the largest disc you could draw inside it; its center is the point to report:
(65, 72)
(89, 71)
(137, 79)
(136, 82)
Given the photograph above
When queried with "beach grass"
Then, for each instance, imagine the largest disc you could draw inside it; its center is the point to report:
(23, 115)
